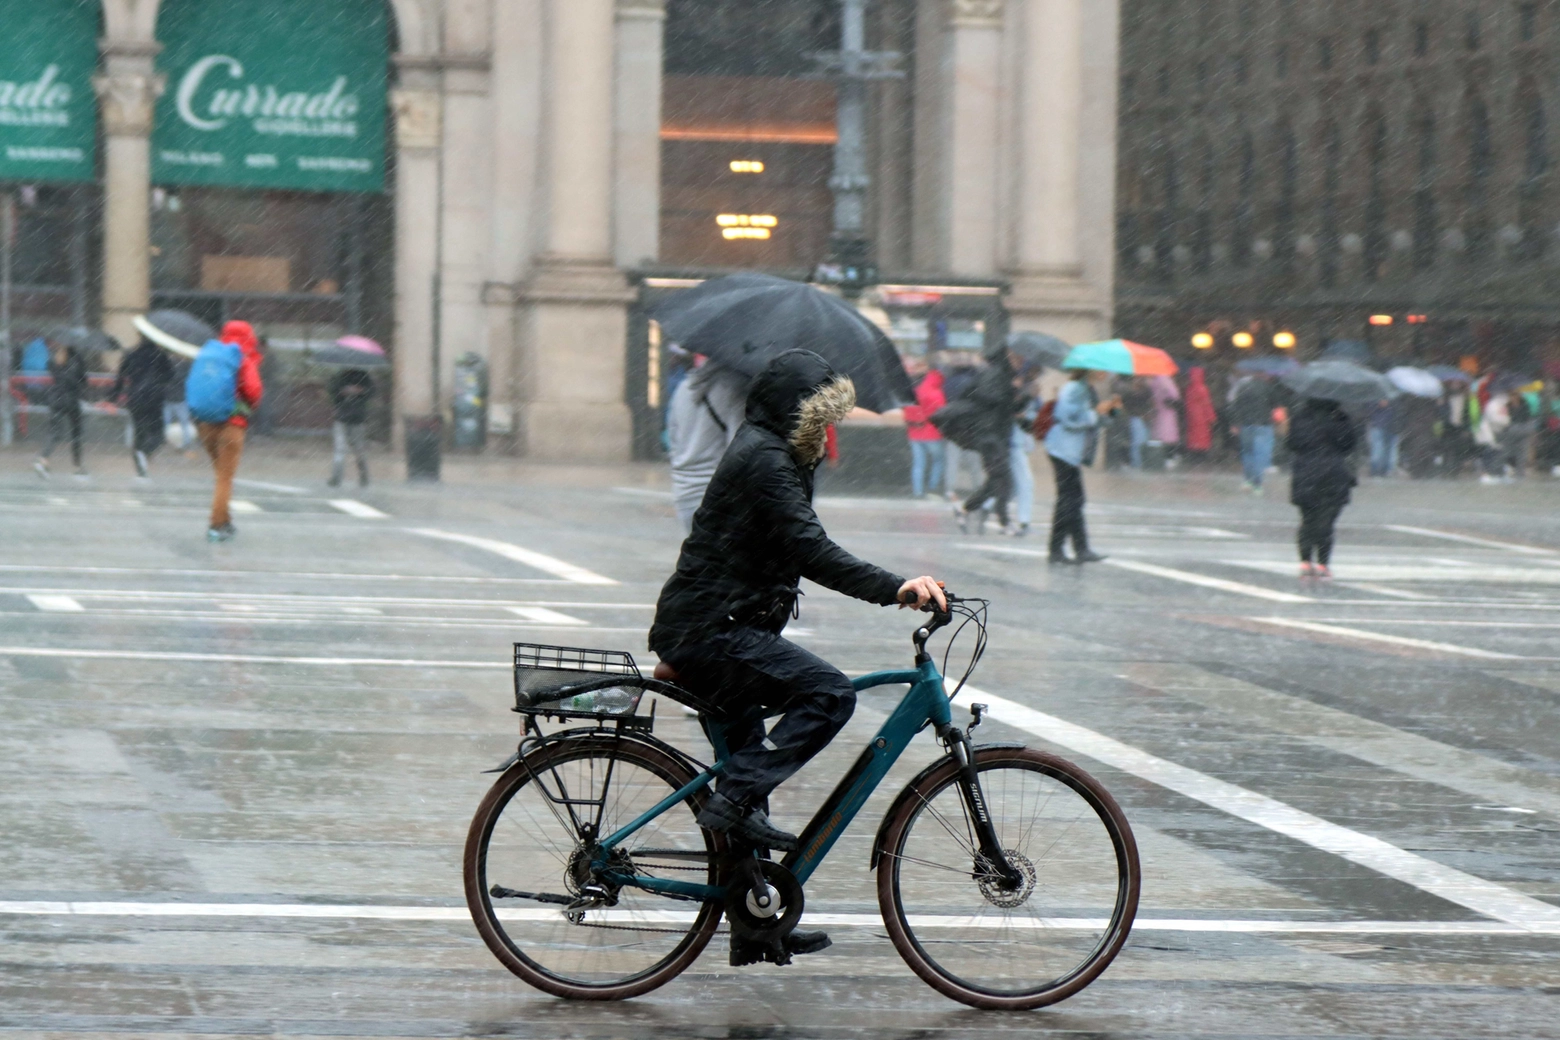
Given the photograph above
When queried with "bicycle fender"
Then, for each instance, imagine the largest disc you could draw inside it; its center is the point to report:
(946, 762)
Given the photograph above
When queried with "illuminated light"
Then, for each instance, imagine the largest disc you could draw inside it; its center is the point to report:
(746, 166)
(1381, 319)
(1283, 340)
(1203, 341)
(1243, 340)
(1417, 319)
(744, 232)
(742, 220)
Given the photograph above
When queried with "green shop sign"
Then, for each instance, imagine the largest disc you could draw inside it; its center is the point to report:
(48, 114)
(272, 94)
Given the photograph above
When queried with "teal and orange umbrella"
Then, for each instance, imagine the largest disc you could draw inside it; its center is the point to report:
(1122, 357)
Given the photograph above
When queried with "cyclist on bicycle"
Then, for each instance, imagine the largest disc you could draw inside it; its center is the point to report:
(719, 618)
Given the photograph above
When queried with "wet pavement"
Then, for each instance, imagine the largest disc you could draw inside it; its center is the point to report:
(235, 779)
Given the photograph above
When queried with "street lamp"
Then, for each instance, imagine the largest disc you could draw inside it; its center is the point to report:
(852, 67)
(1203, 341)
(1284, 340)
(1243, 340)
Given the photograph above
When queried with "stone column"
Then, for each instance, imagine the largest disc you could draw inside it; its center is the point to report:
(127, 89)
(418, 111)
(1054, 289)
(574, 304)
(466, 215)
(971, 131)
(636, 211)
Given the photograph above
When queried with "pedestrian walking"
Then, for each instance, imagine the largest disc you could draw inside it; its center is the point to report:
(988, 408)
(1489, 434)
(142, 387)
(1321, 440)
(927, 446)
(1381, 433)
(350, 391)
(1166, 425)
(68, 371)
(1252, 401)
(1074, 423)
(1137, 401)
(222, 391)
(702, 418)
(175, 410)
(1020, 447)
(1200, 415)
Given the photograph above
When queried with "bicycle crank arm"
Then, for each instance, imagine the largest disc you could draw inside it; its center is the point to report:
(500, 892)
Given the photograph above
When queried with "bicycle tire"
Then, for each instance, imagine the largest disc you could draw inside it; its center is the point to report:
(913, 930)
(531, 965)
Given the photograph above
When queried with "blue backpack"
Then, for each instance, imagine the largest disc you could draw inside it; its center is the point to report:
(211, 389)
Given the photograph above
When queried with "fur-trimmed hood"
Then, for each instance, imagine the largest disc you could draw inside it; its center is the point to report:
(799, 396)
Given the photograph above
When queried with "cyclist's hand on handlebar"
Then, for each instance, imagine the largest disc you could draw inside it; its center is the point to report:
(921, 592)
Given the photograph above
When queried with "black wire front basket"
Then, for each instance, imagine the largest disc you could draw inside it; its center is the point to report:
(576, 682)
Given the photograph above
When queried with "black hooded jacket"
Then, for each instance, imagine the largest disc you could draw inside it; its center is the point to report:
(1321, 439)
(755, 536)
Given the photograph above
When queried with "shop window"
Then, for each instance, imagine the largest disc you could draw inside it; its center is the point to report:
(1537, 133)
(1281, 61)
(1527, 22)
(1372, 46)
(1241, 69)
(1164, 81)
(1421, 39)
(1472, 31)
(1324, 54)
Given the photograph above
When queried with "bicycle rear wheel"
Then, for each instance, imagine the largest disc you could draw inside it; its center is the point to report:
(529, 850)
(953, 921)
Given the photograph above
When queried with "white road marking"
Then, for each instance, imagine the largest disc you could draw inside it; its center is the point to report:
(542, 562)
(1468, 539)
(173, 655)
(134, 503)
(1475, 893)
(544, 616)
(352, 507)
(389, 912)
(1237, 587)
(243, 505)
(1240, 588)
(147, 595)
(57, 604)
(1382, 590)
(192, 572)
(1382, 637)
(286, 489)
(57, 500)
(1427, 571)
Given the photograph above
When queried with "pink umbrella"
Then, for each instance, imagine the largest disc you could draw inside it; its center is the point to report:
(361, 343)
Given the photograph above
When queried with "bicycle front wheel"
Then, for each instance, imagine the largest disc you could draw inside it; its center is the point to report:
(999, 946)
(529, 852)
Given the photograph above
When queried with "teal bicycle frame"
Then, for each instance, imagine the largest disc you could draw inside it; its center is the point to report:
(925, 703)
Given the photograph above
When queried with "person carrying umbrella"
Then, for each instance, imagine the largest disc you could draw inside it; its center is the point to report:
(990, 406)
(1073, 422)
(68, 370)
(1321, 441)
(350, 391)
(704, 414)
(142, 385)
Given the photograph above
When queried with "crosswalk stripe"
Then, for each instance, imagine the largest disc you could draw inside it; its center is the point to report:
(57, 604)
(352, 507)
(1382, 637)
(545, 616)
(243, 505)
(390, 912)
(541, 561)
(1475, 893)
(1468, 539)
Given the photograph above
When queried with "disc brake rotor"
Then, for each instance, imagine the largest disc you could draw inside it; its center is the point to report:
(991, 884)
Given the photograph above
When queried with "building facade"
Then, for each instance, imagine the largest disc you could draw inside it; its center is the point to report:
(1336, 170)
(507, 178)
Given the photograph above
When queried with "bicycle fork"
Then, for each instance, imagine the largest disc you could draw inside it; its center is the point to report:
(993, 858)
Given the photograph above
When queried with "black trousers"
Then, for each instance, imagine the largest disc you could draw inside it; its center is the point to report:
(760, 674)
(1067, 517)
(63, 421)
(148, 426)
(995, 460)
(1316, 532)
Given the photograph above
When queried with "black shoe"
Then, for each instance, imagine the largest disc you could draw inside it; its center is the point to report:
(1058, 557)
(334, 481)
(797, 944)
(747, 825)
(1088, 556)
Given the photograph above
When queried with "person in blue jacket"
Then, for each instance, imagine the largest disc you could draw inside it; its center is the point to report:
(1074, 422)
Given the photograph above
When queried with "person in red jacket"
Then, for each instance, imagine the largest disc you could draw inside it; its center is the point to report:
(1200, 415)
(926, 443)
(224, 441)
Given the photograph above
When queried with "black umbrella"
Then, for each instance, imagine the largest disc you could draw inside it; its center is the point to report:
(1349, 350)
(178, 331)
(83, 338)
(1341, 381)
(1039, 348)
(742, 321)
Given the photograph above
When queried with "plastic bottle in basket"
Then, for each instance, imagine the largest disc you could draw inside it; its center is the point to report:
(612, 701)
